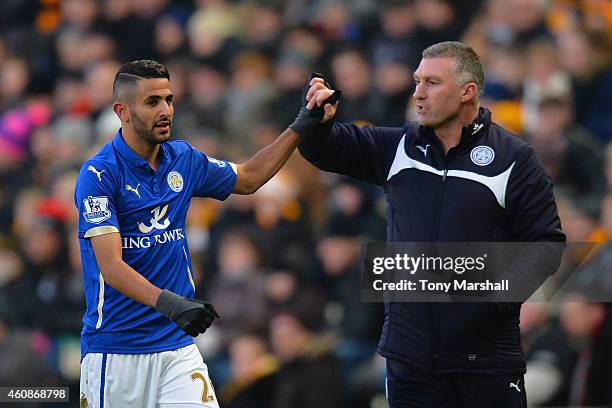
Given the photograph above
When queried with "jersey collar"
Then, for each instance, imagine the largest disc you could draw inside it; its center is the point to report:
(130, 155)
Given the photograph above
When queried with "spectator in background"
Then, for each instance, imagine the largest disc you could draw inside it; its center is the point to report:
(99, 88)
(578, 216)
(596, 272)
(527, 20)
(71, 136)
(339, 251)
(16, 127)
(587, 58)
(238, 286)
(281, 222)
(352, 73)
(396, 37)
(350, 223)
(212, 31)
(393, 81)
(249, 93)
(254, 373)
(305, 40)
(544, 78)
(589, 326)
(205, 104)
(14, 78)
(11, 271)
(291, 72)
(335, 21)
(98, 46)
(79, 14)
(572, 156)
(47, 280)
(436, 21)
(309, 375)
(548, 355)
(132, 33)
(23, 359)
(170, 37)
(503, 87)
(263, 27)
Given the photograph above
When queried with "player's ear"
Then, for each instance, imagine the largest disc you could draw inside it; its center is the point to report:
(121, 110)
(468, 91)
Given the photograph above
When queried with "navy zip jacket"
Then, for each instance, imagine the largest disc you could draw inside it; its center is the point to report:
(491, 187)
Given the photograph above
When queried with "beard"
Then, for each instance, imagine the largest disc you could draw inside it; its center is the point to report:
(151, 135)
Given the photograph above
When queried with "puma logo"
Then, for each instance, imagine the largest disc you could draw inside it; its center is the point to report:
(423, 148)
(512, 385)
(98, 173)
(132, 189)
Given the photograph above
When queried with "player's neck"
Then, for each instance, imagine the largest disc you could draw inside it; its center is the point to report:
(449, 133)
(147, 151)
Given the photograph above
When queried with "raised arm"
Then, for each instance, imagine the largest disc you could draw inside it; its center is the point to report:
(262, 166)
(364, 153)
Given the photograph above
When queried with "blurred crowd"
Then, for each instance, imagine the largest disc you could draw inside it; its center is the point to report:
(282, 266)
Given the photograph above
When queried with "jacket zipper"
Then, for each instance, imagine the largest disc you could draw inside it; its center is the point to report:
(435, 307)
(440, 204)
(435, 313)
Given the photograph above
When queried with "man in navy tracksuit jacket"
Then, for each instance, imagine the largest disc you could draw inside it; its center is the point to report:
(453, 176)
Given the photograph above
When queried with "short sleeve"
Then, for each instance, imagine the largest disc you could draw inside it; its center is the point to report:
(215, 178)
(94, 197)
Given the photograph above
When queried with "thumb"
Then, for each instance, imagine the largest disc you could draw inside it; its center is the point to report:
(330, 112)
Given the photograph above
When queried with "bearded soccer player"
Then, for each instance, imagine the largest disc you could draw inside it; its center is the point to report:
(133, 195)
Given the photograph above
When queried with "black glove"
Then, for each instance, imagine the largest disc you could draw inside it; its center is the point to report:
(308, 121)
(194, 316)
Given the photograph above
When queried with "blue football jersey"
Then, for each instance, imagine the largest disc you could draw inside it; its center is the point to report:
(117, 191)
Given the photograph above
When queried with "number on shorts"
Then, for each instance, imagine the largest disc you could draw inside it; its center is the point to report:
(205, 396)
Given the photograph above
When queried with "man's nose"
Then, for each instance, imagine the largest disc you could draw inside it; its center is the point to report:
(166, 109)
(419, 92)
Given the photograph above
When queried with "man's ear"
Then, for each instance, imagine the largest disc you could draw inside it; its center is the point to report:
(122, 111)
(469, 91)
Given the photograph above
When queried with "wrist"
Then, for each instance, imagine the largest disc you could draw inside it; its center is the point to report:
(307, 125)
(166, 303)
(154, 296)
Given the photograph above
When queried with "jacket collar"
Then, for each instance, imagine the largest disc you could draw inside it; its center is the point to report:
(478, 127)
(469, 133)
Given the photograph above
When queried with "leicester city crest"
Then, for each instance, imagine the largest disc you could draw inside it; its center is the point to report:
(482, 155)
(175, 181)
(96, 209)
